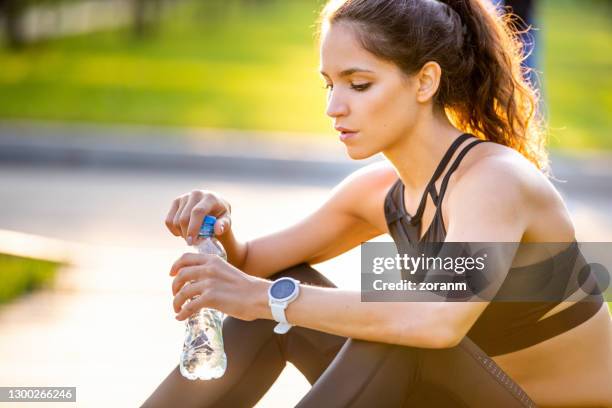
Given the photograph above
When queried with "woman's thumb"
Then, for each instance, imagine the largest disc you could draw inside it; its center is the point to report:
(222, 225)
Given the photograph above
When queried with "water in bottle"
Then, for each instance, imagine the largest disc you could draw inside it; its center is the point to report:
(203, 356)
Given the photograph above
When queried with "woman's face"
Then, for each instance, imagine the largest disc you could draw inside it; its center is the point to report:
(365, 94)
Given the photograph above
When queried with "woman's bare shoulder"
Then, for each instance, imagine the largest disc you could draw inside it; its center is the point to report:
(506, 167)
(372, 177)
(363, 192)
(500, 168)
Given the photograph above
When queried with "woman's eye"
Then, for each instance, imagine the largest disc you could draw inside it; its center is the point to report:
(356, 87)
(360, 87)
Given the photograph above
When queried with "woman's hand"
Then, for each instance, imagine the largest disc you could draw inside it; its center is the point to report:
(188, 211)
(217, 285)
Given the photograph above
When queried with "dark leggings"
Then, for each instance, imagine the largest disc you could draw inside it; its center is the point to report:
(343, 372)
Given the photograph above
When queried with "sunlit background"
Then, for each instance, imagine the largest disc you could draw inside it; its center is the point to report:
(109, 109)
(248, 64)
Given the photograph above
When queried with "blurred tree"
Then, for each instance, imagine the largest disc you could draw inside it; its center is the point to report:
(13, 11)
(146, 15)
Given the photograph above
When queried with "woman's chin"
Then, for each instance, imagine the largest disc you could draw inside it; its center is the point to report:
(358, 154)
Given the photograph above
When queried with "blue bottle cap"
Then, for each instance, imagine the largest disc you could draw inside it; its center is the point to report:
(207, 228)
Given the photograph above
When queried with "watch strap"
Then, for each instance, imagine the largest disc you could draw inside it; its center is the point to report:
(278, 312)
(282, 328)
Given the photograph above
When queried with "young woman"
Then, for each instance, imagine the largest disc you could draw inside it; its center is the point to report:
(436, 86)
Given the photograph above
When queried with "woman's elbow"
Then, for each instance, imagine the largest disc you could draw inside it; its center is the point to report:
(445, 337)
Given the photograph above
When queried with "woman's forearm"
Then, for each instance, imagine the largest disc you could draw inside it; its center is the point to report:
(242, 256)
(262, 257)
(342, 313)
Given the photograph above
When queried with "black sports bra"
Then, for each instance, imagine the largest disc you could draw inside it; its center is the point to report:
(503, 327)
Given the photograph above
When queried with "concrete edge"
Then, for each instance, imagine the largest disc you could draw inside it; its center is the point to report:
(278, 155)
(35, 246)
(297, 160)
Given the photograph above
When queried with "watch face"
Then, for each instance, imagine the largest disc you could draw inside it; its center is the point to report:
(282, 289)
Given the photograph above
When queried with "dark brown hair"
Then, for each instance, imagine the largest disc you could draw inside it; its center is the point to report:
(483, 88)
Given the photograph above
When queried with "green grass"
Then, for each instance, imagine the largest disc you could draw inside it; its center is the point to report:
(21, 275)
(249, 68)
(577, 64)
(256, 68)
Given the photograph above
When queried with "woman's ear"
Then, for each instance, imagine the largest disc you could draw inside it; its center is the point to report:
(428, 80)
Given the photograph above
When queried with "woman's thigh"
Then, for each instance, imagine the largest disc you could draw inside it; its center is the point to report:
(470, 375)
(366, 374)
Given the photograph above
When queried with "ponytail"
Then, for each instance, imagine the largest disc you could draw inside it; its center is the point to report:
(501, 104)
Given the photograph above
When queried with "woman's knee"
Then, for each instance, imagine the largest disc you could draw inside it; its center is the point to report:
(365, 374)
(259, 329)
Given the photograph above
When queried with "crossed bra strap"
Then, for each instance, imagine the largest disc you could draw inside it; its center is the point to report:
(396, 206)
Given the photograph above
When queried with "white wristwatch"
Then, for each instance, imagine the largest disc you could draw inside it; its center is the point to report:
(282, 292)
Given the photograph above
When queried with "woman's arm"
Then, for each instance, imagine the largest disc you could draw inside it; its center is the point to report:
(337, 226)
(490, 204)
(340, 224)
(487, 206)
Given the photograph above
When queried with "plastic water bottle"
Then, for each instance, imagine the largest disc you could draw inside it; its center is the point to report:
(203, 355)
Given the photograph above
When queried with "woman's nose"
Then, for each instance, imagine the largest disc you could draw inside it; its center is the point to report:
(335, 105)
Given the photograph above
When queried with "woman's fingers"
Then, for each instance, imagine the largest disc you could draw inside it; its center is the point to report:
(188, 291)
(186, 274)
(175, 221)
(206, 206)
(193, 306)
(209, 281)
(170, 217)
(188, 211)
(223, 224)
(185, 217)
(209, 205)
(191, 259)
(191, 298)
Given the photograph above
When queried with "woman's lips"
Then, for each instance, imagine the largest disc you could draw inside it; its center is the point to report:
(346, 135)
